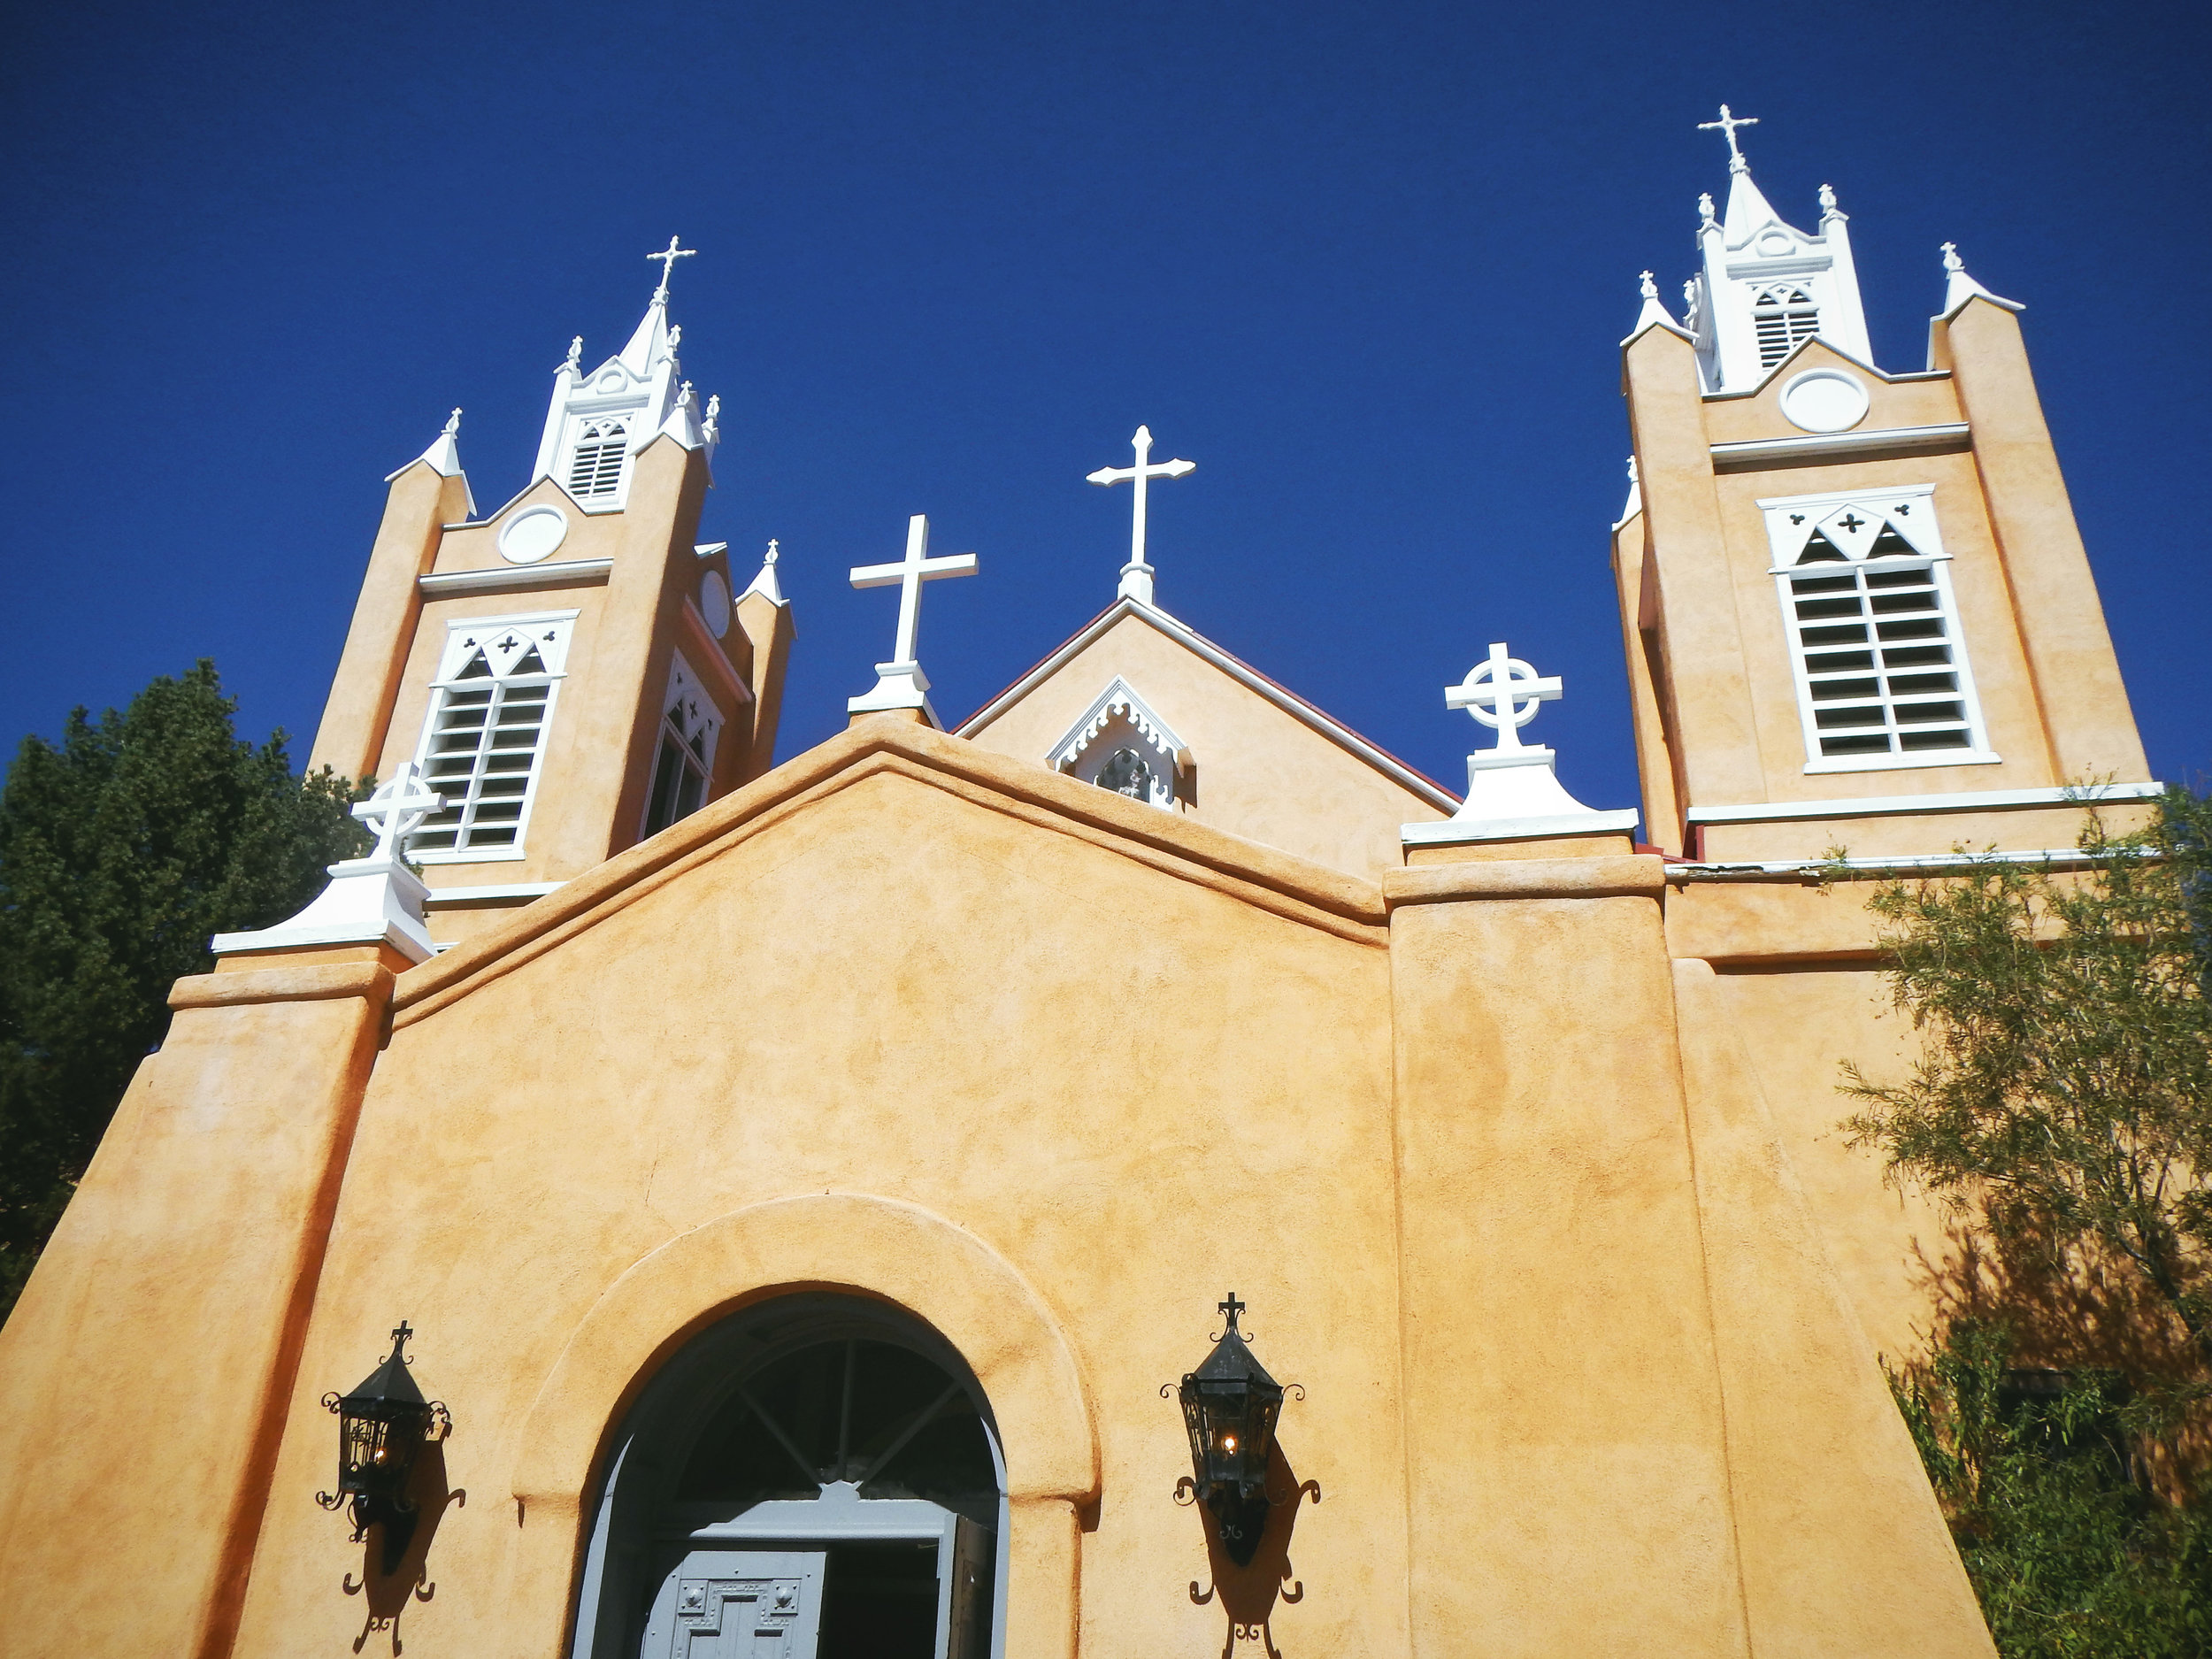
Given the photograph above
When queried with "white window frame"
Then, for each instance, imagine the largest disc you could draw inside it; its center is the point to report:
(683, 687)
(549, 633)
(629, 409)
(1119, 710)
(1909, 511)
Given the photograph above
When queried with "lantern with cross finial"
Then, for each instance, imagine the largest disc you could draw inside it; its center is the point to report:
(382, 1426)
(1229, 1407)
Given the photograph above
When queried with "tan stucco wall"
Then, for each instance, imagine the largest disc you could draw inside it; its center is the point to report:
(1262, 774)
(695, 1053)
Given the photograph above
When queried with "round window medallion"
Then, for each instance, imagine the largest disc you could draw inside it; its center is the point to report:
(531, 535)
(714, 603)
(1824, 400)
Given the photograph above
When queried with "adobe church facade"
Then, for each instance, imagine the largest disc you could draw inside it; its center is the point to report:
(803, 1190)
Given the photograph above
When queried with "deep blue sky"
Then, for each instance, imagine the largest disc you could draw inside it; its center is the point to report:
(1368, 266)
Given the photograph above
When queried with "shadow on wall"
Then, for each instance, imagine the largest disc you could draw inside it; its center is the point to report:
(389, 1594)
(1248, 1594)
(2066, 1309)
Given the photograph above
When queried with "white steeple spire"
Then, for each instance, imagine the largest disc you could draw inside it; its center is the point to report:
(1766, 286)
(617, 408)
(767, 584)
(1654, 314)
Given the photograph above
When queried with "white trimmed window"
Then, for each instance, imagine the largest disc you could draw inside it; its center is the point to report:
(594, 469)
(683, 763)
(1881, 670)
(1120, 744)
(1782, 315)
(484, 740)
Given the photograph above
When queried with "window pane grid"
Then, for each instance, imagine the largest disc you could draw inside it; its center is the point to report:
(1876, 654)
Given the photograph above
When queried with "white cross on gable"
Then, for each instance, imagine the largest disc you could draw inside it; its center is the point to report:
(1503, 692)
(1136, 575)
(910, 573)
(396, 810)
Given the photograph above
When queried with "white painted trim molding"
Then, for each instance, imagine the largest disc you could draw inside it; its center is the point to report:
(567, 573)
(1888, 863)
(500, 893)
(1454, 832)
(1250, 678)
(1842, 446)
(1881, 805)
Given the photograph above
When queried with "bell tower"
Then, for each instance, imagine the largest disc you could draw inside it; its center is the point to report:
(572, 672)
(1857, 610)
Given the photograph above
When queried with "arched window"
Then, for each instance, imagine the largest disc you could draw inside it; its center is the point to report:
(1783, 315)
(819, 1475)
(683, 763)
(597, 470)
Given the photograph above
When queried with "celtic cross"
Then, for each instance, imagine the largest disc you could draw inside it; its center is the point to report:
(396, 812)
(1502, 692)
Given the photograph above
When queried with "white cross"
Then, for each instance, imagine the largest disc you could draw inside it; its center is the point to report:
(1511, 693)
(673, 252)
(910, 573)
(396, 810)
(1726, 126)
(1136, 575)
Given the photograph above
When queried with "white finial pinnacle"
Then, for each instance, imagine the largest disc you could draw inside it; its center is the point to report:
(668, 256)
(683, 394)
(711, 429)
(576, 353)
(764, 583)
(1649, 288)
(453, 425)
(1705, 218)
(1951, 260)
(1958, 287)
(773, 553)
(1136, 575)
(1727, 126)
(1828, 202)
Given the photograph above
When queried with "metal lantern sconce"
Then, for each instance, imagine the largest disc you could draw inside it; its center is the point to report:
(382, 1426)
(1229, 1407)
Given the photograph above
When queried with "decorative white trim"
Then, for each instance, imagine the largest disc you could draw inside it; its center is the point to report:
(2057, 858)
(1451, 831)
(1903, 762)
(449, 898)
(1119, 701)
(533, 535)
(1204, 648)
(1842, 446)
(1881, 805)
(567, 573)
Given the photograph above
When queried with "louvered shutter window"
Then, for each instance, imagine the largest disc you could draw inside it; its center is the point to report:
(1783, 316)
(485, 738)
(595, 471)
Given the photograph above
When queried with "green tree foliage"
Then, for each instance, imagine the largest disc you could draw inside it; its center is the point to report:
(122, 849)
(2063, 1105)
(2065, 1087)
(2069, 1551)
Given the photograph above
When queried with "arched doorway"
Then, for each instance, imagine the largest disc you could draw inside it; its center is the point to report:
(816, 1478)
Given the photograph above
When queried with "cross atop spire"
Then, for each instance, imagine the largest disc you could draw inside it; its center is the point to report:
(675, 251)
(1726, 126)
(1136, 575)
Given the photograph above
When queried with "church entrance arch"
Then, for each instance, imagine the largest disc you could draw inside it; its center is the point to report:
(817, 1477)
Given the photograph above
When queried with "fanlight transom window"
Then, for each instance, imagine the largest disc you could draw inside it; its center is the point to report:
(594, 471)
(1881, 670)
(484, 737)
(1783, 314)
